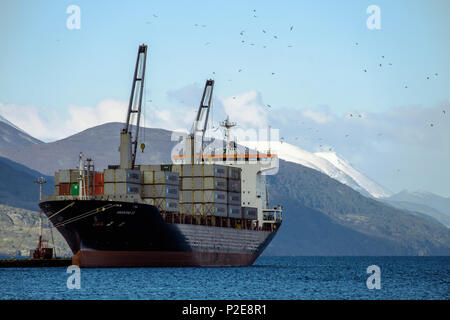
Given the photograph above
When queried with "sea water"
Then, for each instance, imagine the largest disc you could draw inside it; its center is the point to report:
(286, 278)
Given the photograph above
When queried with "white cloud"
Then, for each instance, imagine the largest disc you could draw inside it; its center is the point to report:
(247, 110)
(45, 124)
(317, 116)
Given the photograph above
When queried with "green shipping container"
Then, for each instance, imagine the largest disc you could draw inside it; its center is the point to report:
(75, 189)
(166, 167)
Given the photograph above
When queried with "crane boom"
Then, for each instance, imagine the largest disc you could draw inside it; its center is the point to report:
(201, 121)
(128, 146)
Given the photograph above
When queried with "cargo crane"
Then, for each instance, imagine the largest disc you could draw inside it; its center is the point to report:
(128, 139)
(195, 141)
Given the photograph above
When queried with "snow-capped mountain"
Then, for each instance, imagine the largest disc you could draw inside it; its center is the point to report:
(328, 163)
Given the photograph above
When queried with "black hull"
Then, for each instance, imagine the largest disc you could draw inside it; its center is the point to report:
(135, 234)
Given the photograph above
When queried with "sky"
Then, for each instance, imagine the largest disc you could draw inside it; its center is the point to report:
(379, 98)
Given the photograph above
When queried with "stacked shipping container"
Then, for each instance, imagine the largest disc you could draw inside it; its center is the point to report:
(160, 188)
(206, 190)
(199, 189)
(122, 182)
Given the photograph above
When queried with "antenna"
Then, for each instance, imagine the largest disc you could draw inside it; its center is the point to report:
(227, 125)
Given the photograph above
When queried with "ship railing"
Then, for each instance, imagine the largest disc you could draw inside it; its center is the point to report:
(274, 215)
(118, 197)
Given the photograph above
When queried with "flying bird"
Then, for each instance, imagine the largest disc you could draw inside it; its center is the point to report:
(239, 70)
(269, 106)
(155, 16)
(365, 70)
(292, 27)
(431, 125)
(443, 111)
(275, 37)
(264, 31)
(273, 73)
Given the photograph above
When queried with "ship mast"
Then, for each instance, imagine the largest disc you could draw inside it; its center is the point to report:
(40, 181)
(128, 140)
(227, 125)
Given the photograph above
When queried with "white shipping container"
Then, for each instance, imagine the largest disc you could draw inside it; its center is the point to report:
(210, 170)
(186, 183)
(214, 183)
(148, 177)
(165, 191)
(187, 170)
(109, 175)
(197, 183)
(150, 167)
(213, 196)
(122, 175)
(122, 188)
(56, 178)
(186, 196)
(64, 176)
(109, 188)
(75, 175)
(165, 177)
(235, 212)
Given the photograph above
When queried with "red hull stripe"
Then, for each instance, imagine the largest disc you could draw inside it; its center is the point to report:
(98, 259)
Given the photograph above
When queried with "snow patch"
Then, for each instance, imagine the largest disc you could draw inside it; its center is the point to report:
(328, 163)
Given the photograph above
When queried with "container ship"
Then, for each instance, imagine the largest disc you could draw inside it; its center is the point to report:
(206, 208)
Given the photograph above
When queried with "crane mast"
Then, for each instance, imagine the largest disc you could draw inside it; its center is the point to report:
(128, 140)
(195, 141)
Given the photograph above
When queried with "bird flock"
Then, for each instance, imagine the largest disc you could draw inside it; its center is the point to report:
(244, 40)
